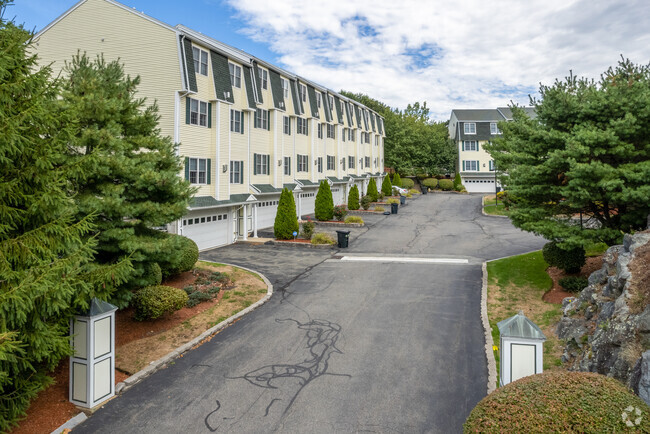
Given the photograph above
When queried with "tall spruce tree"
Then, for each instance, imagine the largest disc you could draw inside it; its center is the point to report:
(587, 152)
(44, 248)
(372, 190)
(353, 198)
(386, 188)
(397, 181)
(126, 172)
(286, 220)
(324, 202)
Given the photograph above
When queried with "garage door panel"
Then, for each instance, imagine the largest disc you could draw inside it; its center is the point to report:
(208, 228)
(266, 211)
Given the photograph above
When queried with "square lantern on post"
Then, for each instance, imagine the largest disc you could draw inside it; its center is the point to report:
(522, 351)
(92, 365)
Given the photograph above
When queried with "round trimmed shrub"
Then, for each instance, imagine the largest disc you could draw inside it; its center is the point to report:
(569, 260)
(366, 201)
(431, 183)
(560, 401)
(154, 301)
(446, 184)
(573, 283)
(386, 188)
(407, 183)
(180, 255)
(353, 198)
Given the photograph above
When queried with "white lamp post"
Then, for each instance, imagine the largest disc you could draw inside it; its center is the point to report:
(522, 352)
(92, 365)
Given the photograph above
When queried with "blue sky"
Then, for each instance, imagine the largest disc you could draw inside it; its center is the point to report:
(461, 54)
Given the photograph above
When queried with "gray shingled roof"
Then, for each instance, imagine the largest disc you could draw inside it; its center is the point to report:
(189, 65)
(289, 187)
(248, 82)
(221, 77)
(489, 115)
(312, 101)
(326, 105)
(207, 202)
(276, 90)
(336, 180)
(307, 183)
(257, 83)
(337, 106)
(265, 188)
(507, 112)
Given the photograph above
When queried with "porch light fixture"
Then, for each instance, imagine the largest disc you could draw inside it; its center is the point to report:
(224, 168)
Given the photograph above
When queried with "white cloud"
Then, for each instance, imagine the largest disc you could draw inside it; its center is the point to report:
(484, 53)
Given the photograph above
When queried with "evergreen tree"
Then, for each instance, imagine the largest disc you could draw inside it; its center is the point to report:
(353, 198)
(126, 173)
(397, 181)
(43, 247)
(372, 190)
(457, 181)
(286, 220)
(587, 151)
(386, 188)
(324, 202)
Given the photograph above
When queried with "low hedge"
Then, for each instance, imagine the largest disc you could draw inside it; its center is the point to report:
(569, 260)
(354, 219)
(446, 184)
(407, 183)
(431, 183)
(322, 238)
(573, 283)
(154, 301)
(560, 401)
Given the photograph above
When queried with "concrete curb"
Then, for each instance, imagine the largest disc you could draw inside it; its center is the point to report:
(165, 360)
(489, 215)
(305, 245)
(489, 343)
(337, 224)
(71, 423)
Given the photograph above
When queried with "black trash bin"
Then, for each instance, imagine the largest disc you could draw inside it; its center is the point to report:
(344, 237)
(402, 200)
(393, 208)
(425, 190)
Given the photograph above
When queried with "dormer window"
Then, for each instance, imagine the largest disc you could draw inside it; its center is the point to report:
(200, 61)
(263, 74)
(285, 87)
(235, 75)
(470, 128)
(302, 90)
(318, 100)
(494, 129)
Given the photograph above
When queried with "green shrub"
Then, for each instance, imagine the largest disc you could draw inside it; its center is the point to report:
(573, 283)
(379, 208)
(386, 188)
(366, 201)
(431, 183)
(407, 183)
(308, 229)
(421, 176)
(197, 297)
(409, 194)
(392, 200)
(353, 198)
(154, 301)
(459, 187)
(372, 190)
(457, 181)
(560, 401)
(340, 212)
(446, 184)
(324, 202)
(322, 238)
(180, 254)
(414, 191)
(354, 219)
(286, 220)
(397, 180)
(571, 260)
(146, 274)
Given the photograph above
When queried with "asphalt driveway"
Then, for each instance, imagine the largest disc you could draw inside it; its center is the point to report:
(356, 340)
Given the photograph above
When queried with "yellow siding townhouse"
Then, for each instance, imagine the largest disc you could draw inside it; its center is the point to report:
(246, 128)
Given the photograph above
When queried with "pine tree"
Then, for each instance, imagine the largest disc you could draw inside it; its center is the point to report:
(397, 181)
(286, 220)
(324, 202)
(353, 198)
(386, 188)
(44, 248)
(372, 190)
(127, 173)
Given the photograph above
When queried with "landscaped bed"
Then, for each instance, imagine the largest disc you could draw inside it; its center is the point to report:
(140, 342)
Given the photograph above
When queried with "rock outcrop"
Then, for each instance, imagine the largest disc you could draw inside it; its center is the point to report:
(607, 327)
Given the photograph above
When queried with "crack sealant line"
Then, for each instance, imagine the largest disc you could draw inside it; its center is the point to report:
(489, 343)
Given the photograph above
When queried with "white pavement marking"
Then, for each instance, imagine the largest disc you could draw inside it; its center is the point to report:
(398, 259)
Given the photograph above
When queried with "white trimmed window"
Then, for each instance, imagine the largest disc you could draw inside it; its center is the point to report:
(494, 129)
(198, 170)
(376, 140)
(491, 165)
(235, 75)
(200, 61)
(286, 124)
(318, 99)
(331, 131)
(263, 75)
(262, 119)
(285, 87)
(470, 165)
(261, 164)
(343, 162)
(237, 121)
(198, 112)
(470, 127)
(365, 116)
(367, 161)
(470, 145)
(352, 135)
(301, 126)
(302, 163)
(330, 98)
(302, 91)
(236, 172)
(320, 131)
(287, 165)
(345, 134)
(319, 164)
(331, 162)
(351, 162)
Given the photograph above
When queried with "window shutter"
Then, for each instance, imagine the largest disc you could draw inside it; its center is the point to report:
(209, 119)
(231, 172)
(241, 171)
(463, 165)
(187, 168)
(477, 166)
(255, 158)
(187, 110)
(255, 118)
(242, 122)
(268, 120)
(209, 171)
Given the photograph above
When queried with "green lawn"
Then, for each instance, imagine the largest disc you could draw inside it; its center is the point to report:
(518, 283)
(490, 208)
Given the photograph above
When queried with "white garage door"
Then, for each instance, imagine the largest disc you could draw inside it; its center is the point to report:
(479, 185)
(337, 194)
(209, 228)
(266, 211)
(307, 203)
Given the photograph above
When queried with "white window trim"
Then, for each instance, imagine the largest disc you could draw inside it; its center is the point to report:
(478, 166)
(236, 124)
(263, 75)
(474, 142)
(287, 165)
(235, 75)
(201, 116)
(197, 171)
(199, 61)
(472, 125)
(285, 86)
(236, 172)
(302, 90)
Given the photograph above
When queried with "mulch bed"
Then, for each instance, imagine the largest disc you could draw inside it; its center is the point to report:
(556, 294)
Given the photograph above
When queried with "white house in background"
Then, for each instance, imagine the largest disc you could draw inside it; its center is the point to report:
(471, 129)
(247, 128)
